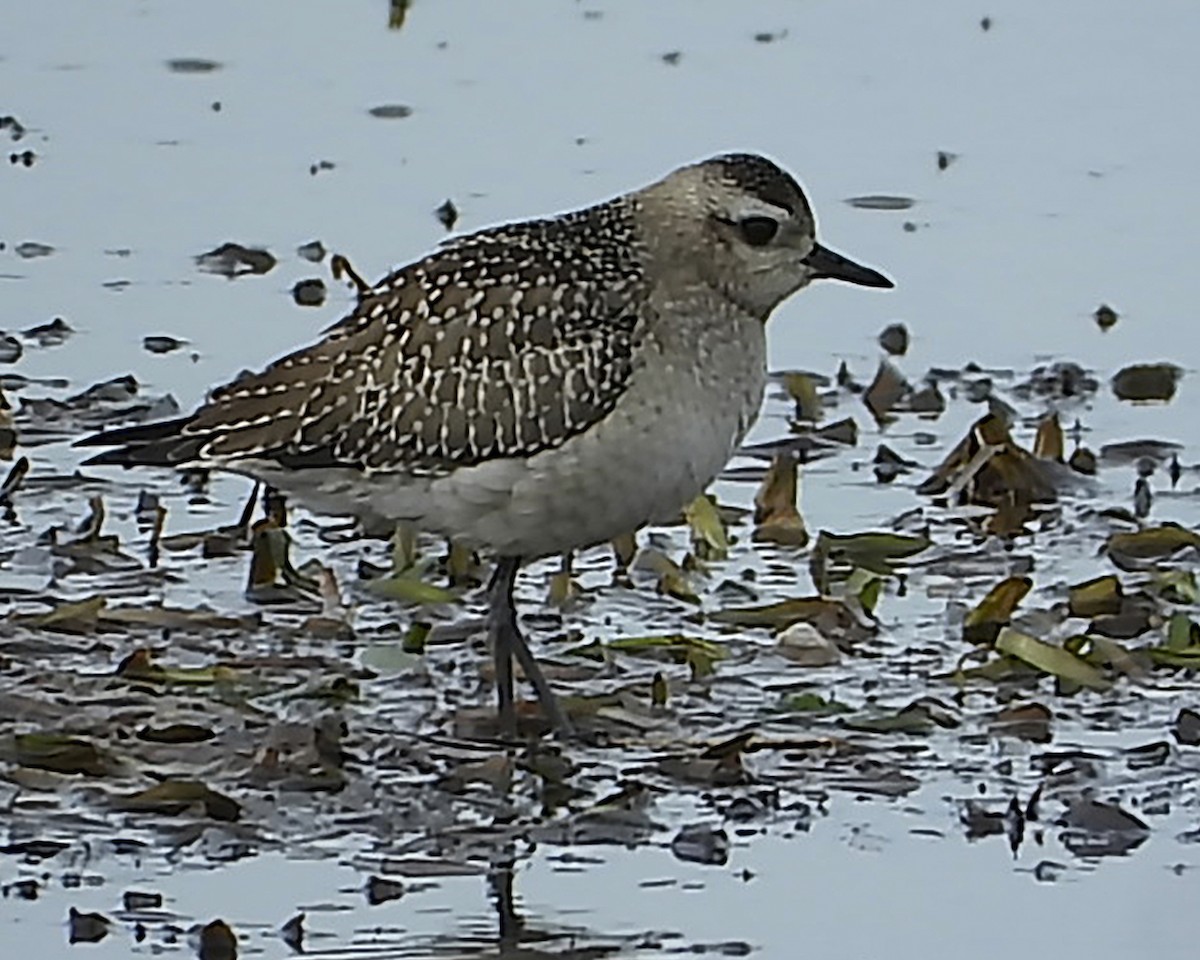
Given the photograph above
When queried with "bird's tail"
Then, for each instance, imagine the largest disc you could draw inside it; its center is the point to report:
(161, 444)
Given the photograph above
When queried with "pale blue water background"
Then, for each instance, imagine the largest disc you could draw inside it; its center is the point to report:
(1074, 185)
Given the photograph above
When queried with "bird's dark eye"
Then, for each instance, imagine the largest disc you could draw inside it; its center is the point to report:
(758, 231)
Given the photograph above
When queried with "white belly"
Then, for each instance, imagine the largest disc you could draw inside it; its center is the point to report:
(670, 435)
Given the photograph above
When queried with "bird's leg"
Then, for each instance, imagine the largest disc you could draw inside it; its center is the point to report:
(507, 644)
(501, 619)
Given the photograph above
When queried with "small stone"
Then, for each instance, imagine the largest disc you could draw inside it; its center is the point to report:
(10, 349)
(161, 344)
(805, 645)
(1147, 381)
(1106, 317)
(313, 251)
(1083, 461)
(447, 214)
(234, 260)
(309, 293)
(894, 339)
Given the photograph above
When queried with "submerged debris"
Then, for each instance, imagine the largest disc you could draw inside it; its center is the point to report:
(10, 349)
(1106, 317)
(234, 260)
(945, 158)
(313, 251)
(309, 293)
(1147, 381)
(192, 65)
(160, 343)
(881, 202)
(50, 334)
(391, 111)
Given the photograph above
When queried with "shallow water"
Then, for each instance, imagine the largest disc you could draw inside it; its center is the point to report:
(1070, 187)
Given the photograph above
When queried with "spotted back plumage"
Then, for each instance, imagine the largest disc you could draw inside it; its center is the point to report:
(514, 340)
(503, 343)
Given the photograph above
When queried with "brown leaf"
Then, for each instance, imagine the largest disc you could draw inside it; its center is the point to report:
(885, 391)
(776, 517)
(1049, 443)
(1027, 721)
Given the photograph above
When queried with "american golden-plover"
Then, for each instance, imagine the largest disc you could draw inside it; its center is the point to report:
(531, 388)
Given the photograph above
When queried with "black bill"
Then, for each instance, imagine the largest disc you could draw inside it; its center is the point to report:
(827, 265)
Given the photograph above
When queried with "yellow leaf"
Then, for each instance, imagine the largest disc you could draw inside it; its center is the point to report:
(1050, 659)
(1099, 597)
(995, 610)
(708, 531)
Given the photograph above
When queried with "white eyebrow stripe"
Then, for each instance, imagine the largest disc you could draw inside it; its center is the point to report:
(753, 207)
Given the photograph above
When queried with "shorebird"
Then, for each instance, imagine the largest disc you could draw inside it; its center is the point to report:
(532, 388)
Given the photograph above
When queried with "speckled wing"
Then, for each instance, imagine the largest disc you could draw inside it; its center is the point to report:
(502, 344)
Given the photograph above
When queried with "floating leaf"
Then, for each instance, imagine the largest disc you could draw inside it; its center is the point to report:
(173, 797)
(1110, 653)
(987, 467)
(411, 590)
(624, 549)
(217, 941)
(86, 927)
(564, 590)
(698, 653)
(920, 717)
(139, 666)
(843, 431)
(1175, 586)
(1027, 721)
(1182, 633)
(1138, 614)
(234, 260)
(776, 516)
(995, 610)
(673, 581)
(176, 733)
(802, 388)
(881, 201)
(1096, 597)
(73, 617)
(814, 703)
(885, 391)
(1153, 543)
(830, 616)
(709, 539)
(1187, 728)
(866, 587)
(878, 552)
(1049, 443)
(1050, 659)
(61, 753)
(659, 691)
(1182, 648)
